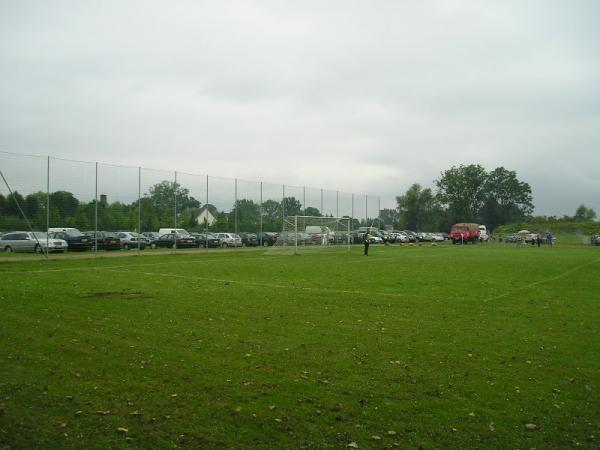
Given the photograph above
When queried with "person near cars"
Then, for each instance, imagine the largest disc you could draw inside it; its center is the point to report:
(367, 241)
(548, 238)
(538, 239)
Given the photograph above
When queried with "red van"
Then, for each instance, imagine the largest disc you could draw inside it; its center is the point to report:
(464, 233)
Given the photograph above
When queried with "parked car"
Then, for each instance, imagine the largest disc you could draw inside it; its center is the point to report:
(229, 239)
(512, 238)
(130, 239)
(75, 239)
(151, 235)
(106, 240)
(203, 238)
(180, 231)
(26, 241)
(412, 236)
(595, 240)
(400, 236)
(268, 238)
(168, 241)
(249, 239)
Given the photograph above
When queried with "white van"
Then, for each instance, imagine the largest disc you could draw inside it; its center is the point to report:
(56, 230)
(483, 233)
(178, 231)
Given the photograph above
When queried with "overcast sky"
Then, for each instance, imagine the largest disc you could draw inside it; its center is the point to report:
(360, 96)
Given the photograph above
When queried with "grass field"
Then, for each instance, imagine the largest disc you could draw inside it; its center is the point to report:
(485, 346)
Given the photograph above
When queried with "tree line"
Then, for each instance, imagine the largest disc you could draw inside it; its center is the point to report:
(166, 204)
(469, 193)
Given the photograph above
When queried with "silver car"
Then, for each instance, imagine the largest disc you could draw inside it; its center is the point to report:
(25, 241)
(130, 240)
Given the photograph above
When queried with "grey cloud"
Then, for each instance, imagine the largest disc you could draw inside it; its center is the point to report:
(366, 97)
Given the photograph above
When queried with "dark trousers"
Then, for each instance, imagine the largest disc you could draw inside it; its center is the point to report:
(367, 248)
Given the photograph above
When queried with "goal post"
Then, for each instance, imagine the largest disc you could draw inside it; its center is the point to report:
(314, 233)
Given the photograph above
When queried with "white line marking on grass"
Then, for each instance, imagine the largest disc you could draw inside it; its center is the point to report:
(125, 266)
(255, 284)
(545, 280)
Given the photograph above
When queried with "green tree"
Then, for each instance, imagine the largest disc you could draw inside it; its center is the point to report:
(248, 215)
(292, 207)
(312, 211)
(389, 216)
(163, 196)
(65, 203)
(462, 191)
(10, 204)
(507, 199)
(417, 209)
(583, 214)
(272, 220)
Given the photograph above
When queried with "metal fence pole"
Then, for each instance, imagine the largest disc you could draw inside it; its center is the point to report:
(282, 206)
(139, 208)
(175, 211)
(96, 214)
(379, 207)
(47, 203)
(303, 200)
(206, 214)
(352, 210)
(175, 200)
(235, 205)
(261, 214)
(366, 210)
(322, 213)
(337, 203)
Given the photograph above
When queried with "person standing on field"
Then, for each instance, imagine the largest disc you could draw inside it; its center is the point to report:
(367, 241)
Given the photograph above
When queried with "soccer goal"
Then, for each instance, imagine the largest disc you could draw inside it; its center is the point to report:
(312, 232)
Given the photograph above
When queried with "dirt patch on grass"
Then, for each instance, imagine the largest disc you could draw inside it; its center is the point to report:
(116, 294)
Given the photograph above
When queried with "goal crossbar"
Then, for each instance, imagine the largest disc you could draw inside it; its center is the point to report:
(302, 231)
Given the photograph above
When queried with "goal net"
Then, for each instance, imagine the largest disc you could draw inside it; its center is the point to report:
(312, 232)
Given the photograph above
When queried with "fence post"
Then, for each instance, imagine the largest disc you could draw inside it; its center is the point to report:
(206, 214)
(96, 213)
(352, 210)
(337, 203)
(175, 210)
(303, 200)
(139, 207)
(175, 200)
(47, 203)
(261, 214)
(322, 213)
(366, 210)
(282, 206)
(235, 205)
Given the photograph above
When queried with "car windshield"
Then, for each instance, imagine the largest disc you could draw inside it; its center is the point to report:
(74, 233)
(111, 235)
(40, 234)
(459, 229)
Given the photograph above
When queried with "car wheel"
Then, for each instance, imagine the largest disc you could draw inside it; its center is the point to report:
(224, 245)
(265, 244)
(37, 248)
(152, 245)
(8, 249)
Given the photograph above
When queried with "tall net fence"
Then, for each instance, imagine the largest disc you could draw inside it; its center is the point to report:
(92, 197)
